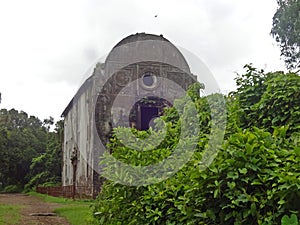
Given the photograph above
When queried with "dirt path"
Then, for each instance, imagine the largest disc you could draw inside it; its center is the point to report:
(33, 204)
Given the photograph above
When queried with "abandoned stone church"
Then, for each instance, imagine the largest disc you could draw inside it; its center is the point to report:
(140, 66)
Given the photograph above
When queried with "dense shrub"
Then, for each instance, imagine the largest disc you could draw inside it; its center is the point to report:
(12, 189)
(280, 103)
(254, 179)
(268, 100)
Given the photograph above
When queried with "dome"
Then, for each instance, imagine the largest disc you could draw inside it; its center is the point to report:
(140, 37)
(142, 47)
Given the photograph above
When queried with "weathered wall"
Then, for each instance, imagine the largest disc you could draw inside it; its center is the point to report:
(79, 138)
(115, 86)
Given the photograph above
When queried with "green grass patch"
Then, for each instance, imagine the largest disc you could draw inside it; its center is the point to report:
(9, 214)
(77, 212)
(61, 200)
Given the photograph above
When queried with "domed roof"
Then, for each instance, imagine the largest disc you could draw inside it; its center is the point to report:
(139, 47)
(141, 37)
(143, 47)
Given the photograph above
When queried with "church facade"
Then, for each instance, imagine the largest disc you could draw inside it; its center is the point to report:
(143, 74)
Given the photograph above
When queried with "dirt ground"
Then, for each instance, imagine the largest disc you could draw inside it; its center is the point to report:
(33, 204)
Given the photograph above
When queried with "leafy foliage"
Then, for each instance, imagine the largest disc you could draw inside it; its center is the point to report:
(254, 179)
(21, 139)
(286, 220)
(46, 168)
(268, 100)
(25, 144)
(12, 189)
(280, 103)
(286, 29)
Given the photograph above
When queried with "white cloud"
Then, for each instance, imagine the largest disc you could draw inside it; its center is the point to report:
(46, 46)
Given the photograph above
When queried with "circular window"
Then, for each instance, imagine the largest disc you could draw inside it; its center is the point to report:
(149, 80)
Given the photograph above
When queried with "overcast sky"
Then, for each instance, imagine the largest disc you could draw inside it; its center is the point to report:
(46, 46)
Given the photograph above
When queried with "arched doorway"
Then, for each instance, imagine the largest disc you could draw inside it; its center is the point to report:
(144, 112)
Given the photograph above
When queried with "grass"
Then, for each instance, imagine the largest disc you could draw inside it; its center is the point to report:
(77, 212)
(9, 214)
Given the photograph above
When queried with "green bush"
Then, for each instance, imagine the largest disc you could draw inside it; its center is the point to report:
(254, 179)
(268, 100)
(12, 189)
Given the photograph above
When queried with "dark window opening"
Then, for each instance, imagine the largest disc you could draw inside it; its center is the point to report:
(148, 79)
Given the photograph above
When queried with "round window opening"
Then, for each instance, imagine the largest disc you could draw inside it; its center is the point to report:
(149, 79)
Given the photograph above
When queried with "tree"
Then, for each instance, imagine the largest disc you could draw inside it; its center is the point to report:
(45, 169)
(30, 154)
(286, 30)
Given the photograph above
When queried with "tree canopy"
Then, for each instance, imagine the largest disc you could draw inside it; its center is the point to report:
(286, 30)
(29, 152)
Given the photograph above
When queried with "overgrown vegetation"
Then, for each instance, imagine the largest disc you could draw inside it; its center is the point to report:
(254, 179)
(286, 29)
(30, 153)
